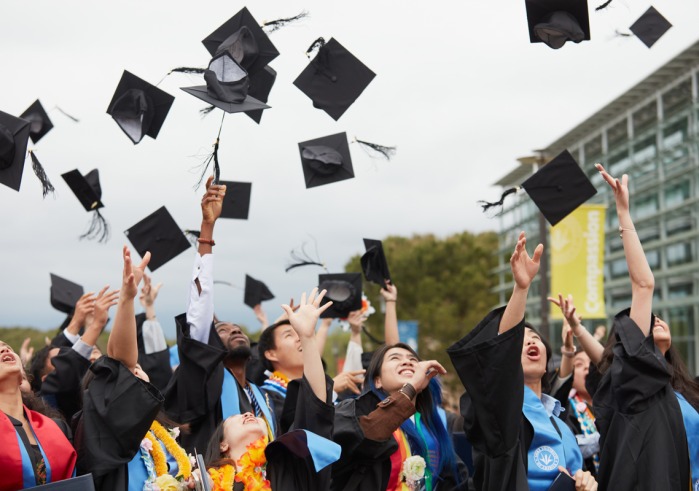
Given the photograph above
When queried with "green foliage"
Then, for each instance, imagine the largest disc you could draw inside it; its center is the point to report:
(444, 284)
(14, 336)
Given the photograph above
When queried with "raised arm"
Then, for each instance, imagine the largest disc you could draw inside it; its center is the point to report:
(98, 320)
(322, 334)
(589, 344)
(390, 296)
(84, 307)
(642, 281)
(304, 323)
(122, 344)
(524, 269)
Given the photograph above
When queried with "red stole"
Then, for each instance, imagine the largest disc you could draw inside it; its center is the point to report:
(58, 450)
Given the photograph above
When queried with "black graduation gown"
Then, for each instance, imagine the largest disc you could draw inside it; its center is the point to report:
(118, 410)
(62, 388)
(193, 395)
(643, 444)
(490, 367)
(156, 365)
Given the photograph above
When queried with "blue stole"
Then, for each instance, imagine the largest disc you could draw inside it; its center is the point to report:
(141, 468)
(230, 403)
(28, 476)
(548, 449)
(691, 428)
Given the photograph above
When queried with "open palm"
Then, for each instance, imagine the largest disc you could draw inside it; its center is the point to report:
(524, 268)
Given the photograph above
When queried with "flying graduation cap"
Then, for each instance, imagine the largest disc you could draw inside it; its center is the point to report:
(344, 290)
(334, 79)
(650, 27)
(89, 192)
(138, 107)
(557, 188)
(554, 22)
(374, 263)
(39, 121)
(236, 202)
(326, 160)
(261, 83)
(14, 136)
(64, 294)
(256, 292)
(159, 234)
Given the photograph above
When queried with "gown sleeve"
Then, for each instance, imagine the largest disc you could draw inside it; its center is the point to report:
(62, 387)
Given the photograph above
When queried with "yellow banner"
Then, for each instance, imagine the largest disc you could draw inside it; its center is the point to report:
(577, 261)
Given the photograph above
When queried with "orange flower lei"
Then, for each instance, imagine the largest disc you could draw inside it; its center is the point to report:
(252, 467)
(222, 477)
(183, 463)
(280, 378)
(158, 455)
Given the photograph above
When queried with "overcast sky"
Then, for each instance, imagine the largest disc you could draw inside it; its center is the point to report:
(459, 90)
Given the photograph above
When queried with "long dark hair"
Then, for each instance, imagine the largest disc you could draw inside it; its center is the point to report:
(426, 403)
(213, 456)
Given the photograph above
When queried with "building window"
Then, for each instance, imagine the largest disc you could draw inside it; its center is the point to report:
(645, 117)
(618, 268)
(682, 290)
(621, 301)
(679, 224)
(679, 253)
(676, 194)
(675, 134)
(617, 133)
(653, 258)
(646, 206)
(677, 98)
(645, 150)
(593, 151)
(681, 322)
(648, 232)
(619, 163)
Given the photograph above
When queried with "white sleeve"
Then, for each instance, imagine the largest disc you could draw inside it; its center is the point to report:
(73, 338)
(83, 349)
(153, 337)
(200, 306)
(353, 357)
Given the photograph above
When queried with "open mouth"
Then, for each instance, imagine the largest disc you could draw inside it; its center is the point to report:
(8, 358)
(533, 353)
(406, 372)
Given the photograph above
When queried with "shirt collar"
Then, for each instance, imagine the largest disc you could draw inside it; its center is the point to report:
(551, 405)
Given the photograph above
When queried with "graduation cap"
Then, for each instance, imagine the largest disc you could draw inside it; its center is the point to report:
(326, 160)
(334, 79)
(236, 202)
(344, 290)
(89, 192)
(159, 234)
(374, 263)
(256, 292)
(14, 136)
(554, 22)
(557, 188)
(64, 294)
(243, 38)
(650, 27)
(138, 107)
(40, 124)
(260, 86)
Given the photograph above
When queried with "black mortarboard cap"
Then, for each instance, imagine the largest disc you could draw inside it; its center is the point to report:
(326, 160)
(86, 188)
(345, 291)
(334, 79)
(38, 119)
(236, 202)
(244, 39)
(650, 27)
(256, 292)
(227, 85)
(14, 136)
(138, 107)
(64, 294)
(159, 234)
(261, 83)
(559, 187)
(556, 21)
(374, 263)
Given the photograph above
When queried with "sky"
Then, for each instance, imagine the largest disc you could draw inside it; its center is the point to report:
(459, 90)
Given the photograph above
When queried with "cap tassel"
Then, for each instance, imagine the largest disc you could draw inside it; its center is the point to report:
(186, 69)
(277, 24)
(618, 33)
(487, 205)
(603, 6)
(192, 236)
(99, 228)
(386, 152)
(67, 115)
(46, 186)
(302, 258)
(205, 111)
(317, 44)
(213, 157)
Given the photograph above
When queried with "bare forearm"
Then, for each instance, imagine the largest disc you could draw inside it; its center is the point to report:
(206, 233)
(642, 280)
(313, 366)
(514, 312)
(391, 323)
(322, 335)
(589, 344)
(122, 344)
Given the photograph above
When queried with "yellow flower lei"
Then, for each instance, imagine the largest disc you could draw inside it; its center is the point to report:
(279, 377)
(252, 467)
(158, 455)
(183, 463)
(222, 477)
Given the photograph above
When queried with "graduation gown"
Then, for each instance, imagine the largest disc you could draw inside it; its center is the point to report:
(62, 388)
(193, 395)
(157, 364)
(643, 444)
(118, 410)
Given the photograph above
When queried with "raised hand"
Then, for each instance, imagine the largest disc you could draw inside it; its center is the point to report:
(261, 315)
(149, 292)
(26, 351)
(103, 302)
(620, 188)
(524, 268)
(132, 276)
(212, 201)
(568, 309)
(305, 318)
(355, 319)
(424, 372)
(349, 381)
(389, 292)
(84, 307)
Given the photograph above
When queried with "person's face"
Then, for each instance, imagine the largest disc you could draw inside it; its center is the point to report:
(232, 336)
(398, 368)
(95, 354)
(581, 367)
(533, 356)
(287, 354)
(241, 430)
(10, 363)
(661, 335)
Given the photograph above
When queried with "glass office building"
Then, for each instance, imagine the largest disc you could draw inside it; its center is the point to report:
(651, 132)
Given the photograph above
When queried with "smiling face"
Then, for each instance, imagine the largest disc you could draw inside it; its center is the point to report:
(533, 356)
(239, 431)
(397, 369)
(10, 364)
(287, 354)
(661, 335)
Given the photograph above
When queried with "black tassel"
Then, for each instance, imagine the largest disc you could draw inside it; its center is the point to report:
(213, 157)
(46, 186)
(192, 236)
(487, 205)
(186, 69)
(67, 115)
(623, 34)
(99, 228)
(205, 111)
(302, 258)
(273, 25)
(318, 43)
(604, 5)
(386, 152)
(221, 282)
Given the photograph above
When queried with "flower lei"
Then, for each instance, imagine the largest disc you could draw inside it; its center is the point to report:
(222, 477)
(183, 463)
(252, 465)
(156, 461)
(279, 378)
